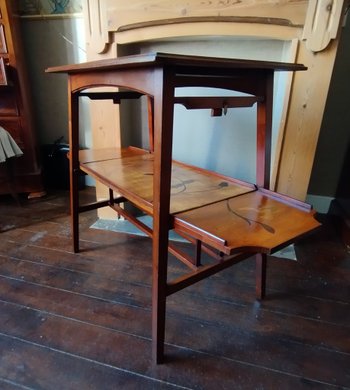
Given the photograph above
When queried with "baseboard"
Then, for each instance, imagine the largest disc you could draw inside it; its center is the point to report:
(340, 210)
(320, 203)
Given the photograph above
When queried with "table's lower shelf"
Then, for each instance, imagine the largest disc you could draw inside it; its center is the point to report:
(257, 221)
(223, 213)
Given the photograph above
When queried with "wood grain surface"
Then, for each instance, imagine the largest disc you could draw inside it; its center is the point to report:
(83, 320)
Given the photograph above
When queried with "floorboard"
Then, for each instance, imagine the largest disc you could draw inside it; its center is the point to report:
(83, 321)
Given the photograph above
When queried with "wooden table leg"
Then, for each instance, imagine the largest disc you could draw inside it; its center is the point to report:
(263, 167)
(264, 135)
(74, 167)
(159, 303)
(163, 134)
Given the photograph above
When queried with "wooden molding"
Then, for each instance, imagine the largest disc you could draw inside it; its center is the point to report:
(106, 19)
(305, 113)
(322, 23)
(201, 19)
(310, 26)
(121, 13)
(96, 23)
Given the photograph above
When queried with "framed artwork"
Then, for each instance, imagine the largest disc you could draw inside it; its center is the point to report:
(49, 7)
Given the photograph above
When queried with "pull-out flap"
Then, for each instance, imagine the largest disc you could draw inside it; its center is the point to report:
(258, 221)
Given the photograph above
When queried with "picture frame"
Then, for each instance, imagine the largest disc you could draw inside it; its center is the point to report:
(29, 8)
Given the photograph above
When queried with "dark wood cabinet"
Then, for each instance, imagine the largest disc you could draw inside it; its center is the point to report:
(15, 104)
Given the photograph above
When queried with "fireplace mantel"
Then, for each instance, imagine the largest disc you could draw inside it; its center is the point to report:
(311, 27)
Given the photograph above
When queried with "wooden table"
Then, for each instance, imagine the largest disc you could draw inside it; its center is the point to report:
(229, 219)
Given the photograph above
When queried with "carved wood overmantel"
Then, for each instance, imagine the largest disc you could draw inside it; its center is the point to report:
(312, 27)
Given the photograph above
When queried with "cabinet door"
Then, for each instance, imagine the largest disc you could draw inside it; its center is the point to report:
(3, 76)
(15, 102)
(13, 126)
(3, 47)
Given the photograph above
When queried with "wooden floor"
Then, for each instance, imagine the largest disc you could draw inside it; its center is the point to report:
(83, 321)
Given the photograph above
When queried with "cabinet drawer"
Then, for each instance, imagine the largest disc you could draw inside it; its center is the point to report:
(15, 129)
(3, 46)
(8, 103)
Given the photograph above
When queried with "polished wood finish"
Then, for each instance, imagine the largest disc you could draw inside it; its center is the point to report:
(250, 222)
(15, 103)
(83, 321)
(132, 176)
(217, 213)
(152, 59)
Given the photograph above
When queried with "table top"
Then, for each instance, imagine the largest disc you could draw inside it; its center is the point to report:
(177, 60)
